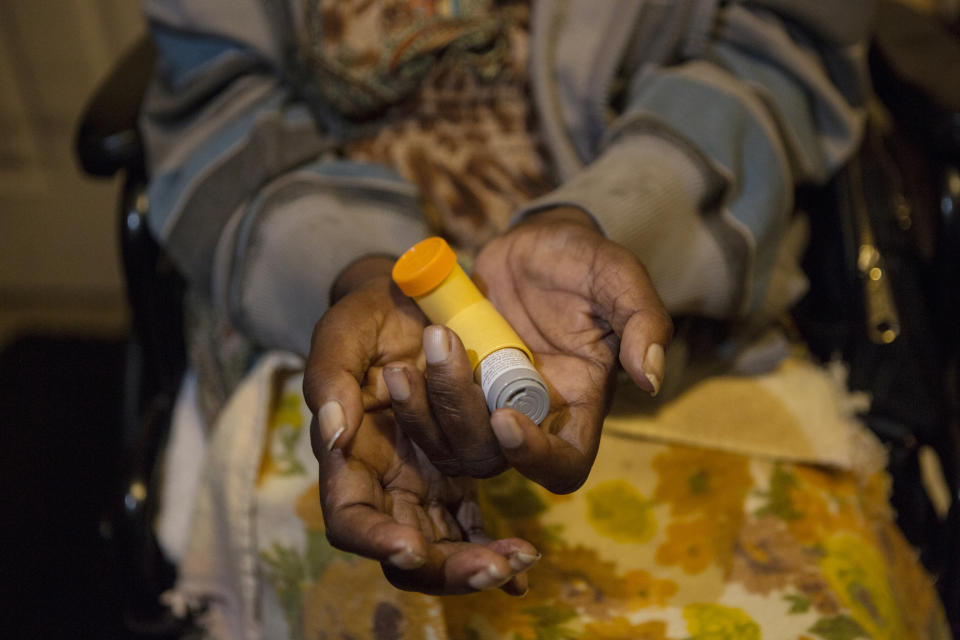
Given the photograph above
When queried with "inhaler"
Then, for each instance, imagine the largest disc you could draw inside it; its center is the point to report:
(503, 366)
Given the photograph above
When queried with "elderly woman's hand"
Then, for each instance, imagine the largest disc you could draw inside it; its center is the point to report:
(382, 497)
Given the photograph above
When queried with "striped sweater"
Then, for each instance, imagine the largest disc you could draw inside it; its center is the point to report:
(681, 126)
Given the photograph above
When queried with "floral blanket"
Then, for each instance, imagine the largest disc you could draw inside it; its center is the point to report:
(665, 540)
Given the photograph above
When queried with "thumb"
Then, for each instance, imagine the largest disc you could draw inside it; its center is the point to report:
(629, 302)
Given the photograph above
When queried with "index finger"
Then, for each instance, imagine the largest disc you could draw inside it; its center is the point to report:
(341, 350)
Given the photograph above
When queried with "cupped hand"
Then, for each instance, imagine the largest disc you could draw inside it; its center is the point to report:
(383, 499)
(580, 302)
(381, 496)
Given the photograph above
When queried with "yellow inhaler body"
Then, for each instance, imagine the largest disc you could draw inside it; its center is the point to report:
(502, 363)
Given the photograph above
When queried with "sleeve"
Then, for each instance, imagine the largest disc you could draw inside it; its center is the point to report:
(246, 194)
(697, 172)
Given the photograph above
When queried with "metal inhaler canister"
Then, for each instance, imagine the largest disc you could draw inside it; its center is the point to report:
(428, 272)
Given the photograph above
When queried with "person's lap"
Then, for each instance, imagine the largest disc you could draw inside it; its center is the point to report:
(665, 540)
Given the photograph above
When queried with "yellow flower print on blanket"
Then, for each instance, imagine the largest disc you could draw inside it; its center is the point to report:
(856, 572)
(284, 430)
(694, 481)
(312, 588)
(813, 502)
(663, 542)
(357, 601)
(705, 491)
(573, 585)
(623, 629)
(689, 544)
(568, 588)
(717, 622)
(769, 559)
(618, 511)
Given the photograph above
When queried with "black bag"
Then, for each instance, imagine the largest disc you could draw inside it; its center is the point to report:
(884, 269)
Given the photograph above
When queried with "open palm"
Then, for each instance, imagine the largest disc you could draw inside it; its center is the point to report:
(580, 302)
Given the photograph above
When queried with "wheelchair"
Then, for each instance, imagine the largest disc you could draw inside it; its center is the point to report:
(107, 144)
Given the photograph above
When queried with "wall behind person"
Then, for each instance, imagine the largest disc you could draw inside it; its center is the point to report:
(59, 266)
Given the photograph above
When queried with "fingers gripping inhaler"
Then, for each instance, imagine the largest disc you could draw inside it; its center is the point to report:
(428, 272)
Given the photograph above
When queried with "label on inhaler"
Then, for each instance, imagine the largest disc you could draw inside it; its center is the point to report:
(509, 379)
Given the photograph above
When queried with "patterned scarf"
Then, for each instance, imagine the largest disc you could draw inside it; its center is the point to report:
(365, 56)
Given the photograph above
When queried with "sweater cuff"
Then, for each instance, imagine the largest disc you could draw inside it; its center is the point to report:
(296, 241)
(654, 197)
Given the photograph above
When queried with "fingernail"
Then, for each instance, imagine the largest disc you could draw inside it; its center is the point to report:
(507, 430)
(436, 346)
(397, 384)
(520, 561)
(406, 559)
(332, 422)
(486, 578)
(653, 365)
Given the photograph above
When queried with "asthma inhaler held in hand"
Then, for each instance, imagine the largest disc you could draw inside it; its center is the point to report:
(428, 272)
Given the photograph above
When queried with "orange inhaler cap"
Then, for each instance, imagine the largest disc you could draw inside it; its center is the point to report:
(424, 266)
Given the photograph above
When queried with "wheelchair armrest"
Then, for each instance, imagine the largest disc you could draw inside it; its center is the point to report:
(913, 63)
(107, 139)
